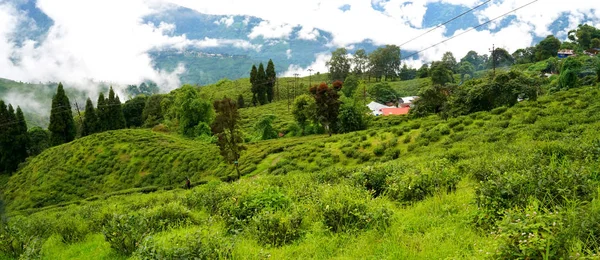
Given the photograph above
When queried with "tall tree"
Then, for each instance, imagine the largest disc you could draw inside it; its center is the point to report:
(254, 83)
(102, 113)
(423, 72)
(339, 64)
(474, 58)
(466, 68)
(440, 74)
(195, 113)
(261, 79)
(584, 35)
(303, 110)
(328, 104)
(90, 120)
(62, 126)
(385, 62)
(115, 111)
(360, 62)
(502, 58)
(449, 61)
(240, 101)
(383, 93)
(350, 85)
(21, 139)
(133, 110)
(153, 114)
(40, 141)
(227, 130)
(407, 73)
(271, 78)
(524, 56)
(547, 48)
(4, 135)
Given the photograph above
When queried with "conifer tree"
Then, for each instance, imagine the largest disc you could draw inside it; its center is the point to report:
(261, 80)
(102, 114)
(271, 78)
(240, 101)
(254, 83)
(4, 138)
(62, 126)
(90, 120)
(115, 117)
(21, 138)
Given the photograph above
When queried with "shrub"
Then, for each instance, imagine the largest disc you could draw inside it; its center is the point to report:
(277, 228)
(237, 213)
(468, 121)
(379, 150)
(415, 185)
(196, 245)
(71, 229)
(459, 128)
(415, 125)
(345, 210)
(124, 232)
(393, 153)
(23, 237)
(498, 110)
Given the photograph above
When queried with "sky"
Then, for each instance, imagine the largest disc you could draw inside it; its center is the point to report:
(107, 40)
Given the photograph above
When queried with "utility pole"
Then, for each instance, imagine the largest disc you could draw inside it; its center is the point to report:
(295, 83)
(494, 58)
(79, 113)
(310, 70)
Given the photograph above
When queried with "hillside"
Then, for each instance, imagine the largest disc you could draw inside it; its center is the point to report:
(110, 162)
(410, 190)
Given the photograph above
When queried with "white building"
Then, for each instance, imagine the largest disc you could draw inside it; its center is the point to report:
(376, 108)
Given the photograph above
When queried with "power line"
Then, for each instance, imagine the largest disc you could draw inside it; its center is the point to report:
(447, 22)
(455, 36)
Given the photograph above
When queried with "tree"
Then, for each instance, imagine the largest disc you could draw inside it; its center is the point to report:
(240, 101)
(133, 110)
(474, 58)
(568, 79)
(254, 83)
(102, 113)
(466, 68)
(440, 74)
(62, 126)
(360, 61)
(90, 120)
(5, 138)
(352, 116)
(584, 35)
(547, 48)
(432, 99)
(227, 130)
(385, 62)
(598, 73)
(14, 138)
(303, 110)
(270, 82)
(194, 113)
(350, 85)
(423, 72)
(327, 104)
(524, 56)
(407, 73)
(501, 58)
(21, 139)
(152, 114)
(261, 81)
(115, 116)
(449, 61)
(264, 127)
(39, 141)
(595, 43)
(339, 64)
(383, 93)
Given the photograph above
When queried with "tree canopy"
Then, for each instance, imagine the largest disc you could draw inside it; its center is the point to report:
(62, 126)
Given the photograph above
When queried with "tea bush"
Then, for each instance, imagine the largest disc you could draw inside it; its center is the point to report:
(199, 244)
(277, 228)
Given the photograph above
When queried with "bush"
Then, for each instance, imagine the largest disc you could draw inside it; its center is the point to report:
(277, 228)
(124, 232)
(71, 229)
(498, 110)
(379, 150)
(196, 245)
(237, 213)
(23, 238)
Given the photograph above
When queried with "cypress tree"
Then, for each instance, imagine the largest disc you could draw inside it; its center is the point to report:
(90, 119)
(120, 122)
(240, 101)
(62, 126)
(102, 114)
(253, 82)
(271, 77)
(22, 139)
(116, 119)
(261, 81)
(4, 149)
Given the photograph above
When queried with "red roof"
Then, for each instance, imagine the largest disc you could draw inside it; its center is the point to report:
(395, 111)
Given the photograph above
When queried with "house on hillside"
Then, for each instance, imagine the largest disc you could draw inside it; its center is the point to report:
(565, 53)
(395, 111)
(592, 52)
(407, 101)
(376, 108)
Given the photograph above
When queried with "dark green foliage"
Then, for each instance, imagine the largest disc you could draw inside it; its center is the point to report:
(40, 141)
(350, 85)
(440, 74)
(474, 58)
(271, 77)
(303, 111)
(90, 120)
(133, 110)
(146, 89)
(14, 139)
(466, 68)
(62, 126)
(383, 93)
(385, 62)
(114, 110)
(226, 128)
(102, 113)
(449, 62)
(339, 65)
(352, 117)
(240, 101)
(195, 114)
(261, 81)
(432, 99)
(152, 114)
(568, 79)
(125, 232)
(255, 84)
(407, 73)
(500, 58)
(264, 127)
(423, 72)
(584, 36)
(547, 48)
(524, 56)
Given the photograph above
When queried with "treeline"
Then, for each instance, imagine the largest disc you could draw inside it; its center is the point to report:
(383, 63)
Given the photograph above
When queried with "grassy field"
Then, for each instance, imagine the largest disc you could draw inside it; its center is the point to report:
(518, 182)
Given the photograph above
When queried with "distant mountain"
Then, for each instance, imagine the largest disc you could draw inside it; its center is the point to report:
(227, 50)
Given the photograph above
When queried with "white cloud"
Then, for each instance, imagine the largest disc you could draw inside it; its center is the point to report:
(308, 33)
(271, 30)
(288, 53)
(227, 21)
(318, 66)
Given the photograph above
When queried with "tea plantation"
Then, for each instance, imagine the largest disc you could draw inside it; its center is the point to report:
(512, 183)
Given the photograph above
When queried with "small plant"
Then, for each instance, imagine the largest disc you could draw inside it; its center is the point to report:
(379, 150)
(124, 232)
(277, 228)
(197, 245)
